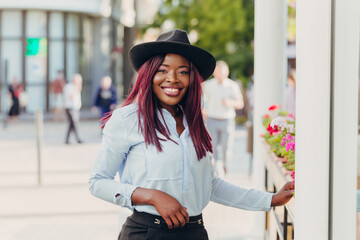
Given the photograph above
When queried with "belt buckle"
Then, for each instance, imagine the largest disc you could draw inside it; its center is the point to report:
(199, 221)
(157, 221)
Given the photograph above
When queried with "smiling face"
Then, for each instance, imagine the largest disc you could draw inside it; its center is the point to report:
(171, 81)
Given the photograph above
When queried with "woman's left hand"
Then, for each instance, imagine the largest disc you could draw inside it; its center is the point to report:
(284, 195)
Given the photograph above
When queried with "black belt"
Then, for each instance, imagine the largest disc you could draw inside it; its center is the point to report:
(156, 221)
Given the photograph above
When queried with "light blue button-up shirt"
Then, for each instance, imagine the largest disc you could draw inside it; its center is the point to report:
(176, 170)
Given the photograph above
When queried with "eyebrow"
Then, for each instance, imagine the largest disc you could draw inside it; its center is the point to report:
(166, 65)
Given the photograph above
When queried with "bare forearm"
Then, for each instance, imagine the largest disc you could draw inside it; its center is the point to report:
(143, 196)
(237, 104)
(169, 208)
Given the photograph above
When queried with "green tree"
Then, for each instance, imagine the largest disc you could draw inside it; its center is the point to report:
(225, 28)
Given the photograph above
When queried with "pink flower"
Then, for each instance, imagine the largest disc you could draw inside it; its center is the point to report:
(293, 176)
(273, 107)
(272, 130)
(289, 142)
(290, 115)
(266, 116)
(290, 146)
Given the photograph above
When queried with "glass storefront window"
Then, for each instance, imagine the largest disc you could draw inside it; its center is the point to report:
(36, 64)
(88, 30)
(79, 50)
(72, 47)
(11, 24)
(72, 26)
(72, 59)
(35, 69)
(35, 24)
(11, 51)
(87, 46)
(56, 61)
(36, 94)
(56, 28)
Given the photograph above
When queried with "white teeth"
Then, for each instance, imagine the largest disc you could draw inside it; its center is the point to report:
(171, 89)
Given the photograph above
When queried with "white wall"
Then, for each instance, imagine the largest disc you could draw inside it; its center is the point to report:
(96, 7)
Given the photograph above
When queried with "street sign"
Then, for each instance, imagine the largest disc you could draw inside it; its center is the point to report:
(36, 47)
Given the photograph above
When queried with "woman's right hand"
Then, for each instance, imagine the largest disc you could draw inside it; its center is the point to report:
(174, 214)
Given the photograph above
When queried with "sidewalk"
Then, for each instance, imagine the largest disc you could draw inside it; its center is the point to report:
(62, 207)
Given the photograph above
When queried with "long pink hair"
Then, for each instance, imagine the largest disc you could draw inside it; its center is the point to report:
(148, 105)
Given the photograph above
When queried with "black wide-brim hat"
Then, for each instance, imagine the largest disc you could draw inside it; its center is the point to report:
(177, 42)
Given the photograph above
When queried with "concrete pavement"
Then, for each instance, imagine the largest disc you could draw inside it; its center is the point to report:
(62, 207)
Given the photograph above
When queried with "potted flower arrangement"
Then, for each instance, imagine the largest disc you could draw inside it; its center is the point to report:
(280, 137)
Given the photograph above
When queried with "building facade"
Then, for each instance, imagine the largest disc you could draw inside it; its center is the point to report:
(39, 37)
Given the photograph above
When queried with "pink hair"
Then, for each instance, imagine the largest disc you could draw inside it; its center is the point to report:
(148, 106)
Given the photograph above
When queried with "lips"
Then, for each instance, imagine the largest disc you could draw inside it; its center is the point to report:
(170, 91)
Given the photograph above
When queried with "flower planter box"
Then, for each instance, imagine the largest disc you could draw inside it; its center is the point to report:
(276, 176)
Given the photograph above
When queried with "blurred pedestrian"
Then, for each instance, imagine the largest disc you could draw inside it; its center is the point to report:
(15, 90)
(158, 143)
(72, 95)
(221, 97)
(57, 87)
(105, 98)
(23, 98)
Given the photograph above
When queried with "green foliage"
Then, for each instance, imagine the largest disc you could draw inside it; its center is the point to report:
(225, 28)
(240, 120)
(283, 113)
(290, 164)
(266, 122)
(275, 144)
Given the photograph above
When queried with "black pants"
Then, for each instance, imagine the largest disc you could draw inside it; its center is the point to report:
(73, 120)
(144, 226)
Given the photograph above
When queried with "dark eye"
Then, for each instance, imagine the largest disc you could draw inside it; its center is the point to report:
(162, 71)
(184, 72)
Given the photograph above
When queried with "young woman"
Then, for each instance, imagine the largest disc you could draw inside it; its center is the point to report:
(158, 143)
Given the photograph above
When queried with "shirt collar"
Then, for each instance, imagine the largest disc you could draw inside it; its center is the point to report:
(169, 119)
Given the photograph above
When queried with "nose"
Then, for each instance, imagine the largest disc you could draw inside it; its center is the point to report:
(171, 77)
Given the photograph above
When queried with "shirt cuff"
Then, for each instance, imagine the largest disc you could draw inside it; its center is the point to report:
(269, 199)
(123, 198)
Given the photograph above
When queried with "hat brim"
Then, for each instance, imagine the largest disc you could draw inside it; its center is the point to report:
(203, 60)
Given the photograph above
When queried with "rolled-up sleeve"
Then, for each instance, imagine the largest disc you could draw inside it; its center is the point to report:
(113, 152)
(234, 196)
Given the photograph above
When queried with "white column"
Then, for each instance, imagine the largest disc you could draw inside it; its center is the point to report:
(326, 123)
(269, 75)
(313, 45)
(344, 134)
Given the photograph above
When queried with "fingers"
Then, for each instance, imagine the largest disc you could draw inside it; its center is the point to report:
(185, 214)
(181, 219)
(283, 196)
(178, 220)
(168, 223)
(175, 221)
(290, 186)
